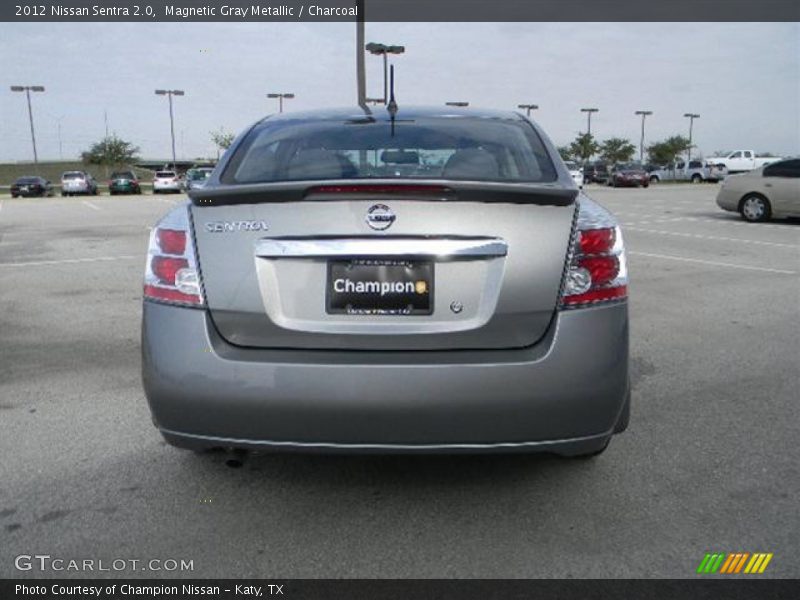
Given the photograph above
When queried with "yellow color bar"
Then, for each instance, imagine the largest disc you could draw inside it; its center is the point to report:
(765, 563)
(753, 564)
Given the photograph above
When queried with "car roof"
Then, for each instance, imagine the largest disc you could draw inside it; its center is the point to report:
(381, 114)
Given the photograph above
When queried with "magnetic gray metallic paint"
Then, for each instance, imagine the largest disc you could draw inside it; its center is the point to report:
(565, 394)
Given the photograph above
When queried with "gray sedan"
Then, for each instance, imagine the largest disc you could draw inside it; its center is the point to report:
(371, 282)
(764, 193)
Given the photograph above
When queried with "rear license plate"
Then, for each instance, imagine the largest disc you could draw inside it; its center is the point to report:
(380, 287)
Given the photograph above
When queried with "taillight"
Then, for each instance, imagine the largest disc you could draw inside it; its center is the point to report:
(171, 273)
(597, 271)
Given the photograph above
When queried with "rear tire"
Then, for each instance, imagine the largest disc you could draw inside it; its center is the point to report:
(755, 208)
(697, 178)
(653, 178)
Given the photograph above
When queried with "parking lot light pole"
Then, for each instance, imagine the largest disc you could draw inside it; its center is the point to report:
(528, 108)
(644, 114)
(169, 94)
(28, 89)
(460, 103)
(692, 117)
(589, 112)
(280, 98)
(385, 51)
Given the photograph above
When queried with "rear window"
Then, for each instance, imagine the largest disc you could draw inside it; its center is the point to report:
(463, 148)
(73, 175)
(165, 174)
(27, 180)
(123, 175)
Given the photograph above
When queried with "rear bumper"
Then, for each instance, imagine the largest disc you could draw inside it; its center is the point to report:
(565, 395)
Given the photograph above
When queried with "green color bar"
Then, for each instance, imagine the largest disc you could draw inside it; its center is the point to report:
(718, 564)
(702, 566)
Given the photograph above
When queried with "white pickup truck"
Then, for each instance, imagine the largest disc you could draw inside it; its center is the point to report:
(742, 160)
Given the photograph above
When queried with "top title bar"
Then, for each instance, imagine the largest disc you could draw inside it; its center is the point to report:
(400, 10)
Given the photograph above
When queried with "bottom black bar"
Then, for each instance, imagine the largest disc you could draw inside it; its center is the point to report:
(395, 589)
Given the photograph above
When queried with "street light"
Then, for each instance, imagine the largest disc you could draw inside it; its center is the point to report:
(589, 112)
(528, 107)
(644, 114)
(170, 94)
(384, 50)
(28, 89)
(280, 98)
(692, 117)
(459, 103)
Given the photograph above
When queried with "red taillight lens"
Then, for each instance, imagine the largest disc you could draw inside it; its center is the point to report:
(596, 241)
(169, 294)
(171, 241)
(166, 267)
(603, 269)
(171, 273)
(597, 272)
(599, 295)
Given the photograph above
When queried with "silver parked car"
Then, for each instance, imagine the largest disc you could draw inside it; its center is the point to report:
(352, 281)
(764, 193)
(78, 182)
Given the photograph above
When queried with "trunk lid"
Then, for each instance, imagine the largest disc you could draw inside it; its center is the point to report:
(274, 259)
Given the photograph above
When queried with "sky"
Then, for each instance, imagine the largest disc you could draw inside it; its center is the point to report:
(742, 78)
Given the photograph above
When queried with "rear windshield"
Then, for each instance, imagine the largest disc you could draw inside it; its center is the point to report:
(27, 180)
(73, 175)
(165, 174)
(463, 148)
(123, 175)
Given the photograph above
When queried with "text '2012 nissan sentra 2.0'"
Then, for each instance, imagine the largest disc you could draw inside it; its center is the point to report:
(355, 281)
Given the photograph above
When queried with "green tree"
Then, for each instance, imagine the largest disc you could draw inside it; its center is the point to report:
(616, 150)
(111, 151)
(584, 147)
(222, 139)
(663, 153)
(565, 152)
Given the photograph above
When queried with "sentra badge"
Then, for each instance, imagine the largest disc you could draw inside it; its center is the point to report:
(231, 226)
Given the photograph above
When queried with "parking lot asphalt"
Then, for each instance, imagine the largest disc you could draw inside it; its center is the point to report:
(710, 462)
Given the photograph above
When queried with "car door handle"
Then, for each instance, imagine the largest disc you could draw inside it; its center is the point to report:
(430, 247)
(767, 185)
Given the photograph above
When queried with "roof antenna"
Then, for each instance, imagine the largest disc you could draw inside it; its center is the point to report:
(392, 106)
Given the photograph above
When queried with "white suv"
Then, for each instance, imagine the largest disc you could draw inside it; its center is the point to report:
(166, 181)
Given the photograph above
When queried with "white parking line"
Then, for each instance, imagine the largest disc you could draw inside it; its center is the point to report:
(700, 236)
(712, 263)
(37, 263)
(90, 205)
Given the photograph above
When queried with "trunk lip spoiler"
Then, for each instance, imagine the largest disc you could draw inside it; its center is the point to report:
(438, 247)
(545, 194)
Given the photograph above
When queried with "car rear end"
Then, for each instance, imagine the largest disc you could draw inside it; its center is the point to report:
(27, 187)
(124, 182)
(75, 182)
(308, 298)
(166, 181)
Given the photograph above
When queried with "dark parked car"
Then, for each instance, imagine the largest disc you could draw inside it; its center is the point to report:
(628, 175)
(31, 186)
(595, 173)
(350, 281)
(124, 182)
